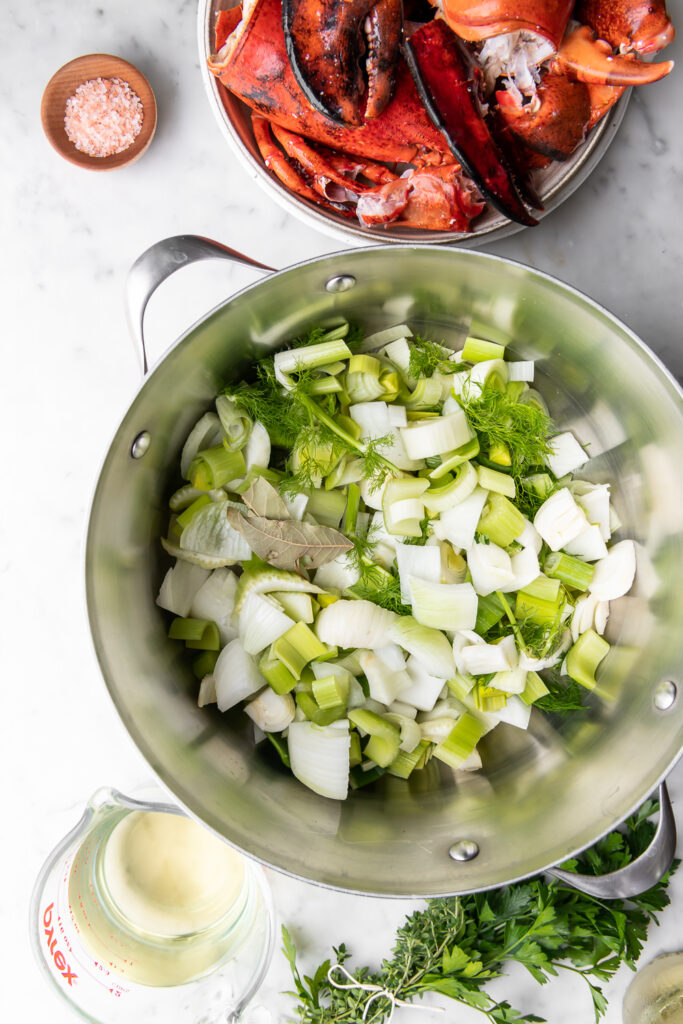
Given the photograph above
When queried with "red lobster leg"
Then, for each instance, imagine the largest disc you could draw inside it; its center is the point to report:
(253, 65)
(642, 26)
(476, 20)
(602, 99)
(277, 162)
(587, 59)
(555, 122)
(446, 78)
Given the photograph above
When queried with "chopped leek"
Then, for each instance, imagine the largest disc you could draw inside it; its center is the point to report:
(585, 656)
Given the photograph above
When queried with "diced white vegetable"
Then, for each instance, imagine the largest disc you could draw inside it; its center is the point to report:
(180, 586)
(385, 683)
(296, 506)
(521, 369)
(210, 533)
(257, 448)
(236, 676)
(399, 707)
(338, 574)
(411, 734)
(471, 763)
(374, 421)
(450, 606)
(530, 537)
(207, 691)
(371, 495)
(426, 438)
(397, 348)
(415, 560)
(601, 616)
(594, 500)
(566, 454)
(215, 600)
(271, 711)
(424, 689)
(206, 432)
(587, 545)
(397, 416)
(458, 525)
(512, 681)
(525, 569)
(355, 624)
(262, 621)
(481, 372)
(436, 730)
(515, 712)
(385, 543)
(481, 659)
(613, 576)
(393, 656)
(530, 664)
(559, 519)
(491, 569)
(427, 644)
(319, 757)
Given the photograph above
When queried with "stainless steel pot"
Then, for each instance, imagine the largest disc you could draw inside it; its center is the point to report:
(545, 793)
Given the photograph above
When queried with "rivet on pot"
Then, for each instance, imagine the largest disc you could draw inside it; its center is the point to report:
(340, 283)
(665, 695)
(464, 849)
(141, 444)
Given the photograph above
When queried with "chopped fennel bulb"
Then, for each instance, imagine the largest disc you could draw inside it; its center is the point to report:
(424, 689)
(428, 645)
(515, 712)
(207, 691)
(413, 560)
(594, 500)
(588, 545)
(257, 448)
(443, 605)
(411, 734)
(566, 454)
(511, 681)
(206, 432)
(426, 438)
(355, 624)
(210, 533)
(491, 569)
(589, 613)
(459, 524)
(613, 576)
(319, 757)
(530, 537)
(338, 574)
(481, 372)
(525, 569)
(236, 676)
(480, 659)
(215, 600)
(522, 370)
(559, 519)
(179, 588)
(262, 621)
(271, 711)
(385, 683)
(393, 656)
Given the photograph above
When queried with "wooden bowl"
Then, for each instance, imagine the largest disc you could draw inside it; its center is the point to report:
(64, 83)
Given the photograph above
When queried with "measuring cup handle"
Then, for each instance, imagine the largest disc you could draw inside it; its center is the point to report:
(160, 261)
(643, 872)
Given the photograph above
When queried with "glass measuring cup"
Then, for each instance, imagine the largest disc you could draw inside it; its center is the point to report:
(111, 962)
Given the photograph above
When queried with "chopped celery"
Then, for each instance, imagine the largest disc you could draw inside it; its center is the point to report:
(186, 517)
(489, 612)
(477, 350)
(535, 688)
(544, 588)
(330, 692)
(500, 521)
(543, 613)
(215, 467)
(570, 570)
(499, 483)
(461, 741)
(297, 647)
(204, 664)
(585, 656)
(405, 763)
(276, 674)
(198, 634)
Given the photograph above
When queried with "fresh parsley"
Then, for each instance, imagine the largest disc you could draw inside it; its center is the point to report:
(456, 946)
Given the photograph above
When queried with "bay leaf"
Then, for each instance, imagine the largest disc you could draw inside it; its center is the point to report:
(285, 542)
(264, 500)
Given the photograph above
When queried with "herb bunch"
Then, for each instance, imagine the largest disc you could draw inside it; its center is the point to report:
(455, 946)
(498, 419)
(426, 358)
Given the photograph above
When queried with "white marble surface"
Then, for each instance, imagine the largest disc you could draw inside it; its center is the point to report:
(68, 238)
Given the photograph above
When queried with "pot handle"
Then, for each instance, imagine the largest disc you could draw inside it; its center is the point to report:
(159, 262)
(643, 872)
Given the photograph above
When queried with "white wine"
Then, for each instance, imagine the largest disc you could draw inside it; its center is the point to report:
(655, 996)
(157, 898)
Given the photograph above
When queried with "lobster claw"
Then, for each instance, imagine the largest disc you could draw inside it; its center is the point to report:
(326, 41)
(587, 59)
(641, 26)
(445, 76)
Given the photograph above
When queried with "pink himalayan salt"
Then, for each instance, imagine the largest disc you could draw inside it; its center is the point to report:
(103, 117)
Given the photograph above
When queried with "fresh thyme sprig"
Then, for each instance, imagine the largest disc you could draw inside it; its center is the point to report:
(455, 946)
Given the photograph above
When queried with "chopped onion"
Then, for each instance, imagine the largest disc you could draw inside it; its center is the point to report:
(319, 757)
(566, 454)
(418, 561)
(588, 545)
(338, 574)
(525, 569)
(271, 711)
(458, 525)
(481, 659)
(530, 537)
(385, 683)
(491, 569)
(179, 587)
(424, 689)
(207, 691)
(215, 601)
(594, 500)
(522, 370)
(236, 676)
(209, 533)
(613, 576)
(262, 622)
(559, 519)
(257, 450)
(355, 624)
(515, 712)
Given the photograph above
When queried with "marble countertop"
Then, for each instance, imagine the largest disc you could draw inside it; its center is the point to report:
(68, 238)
